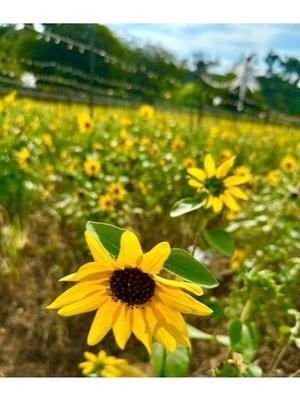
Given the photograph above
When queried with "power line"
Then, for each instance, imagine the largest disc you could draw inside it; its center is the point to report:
(103, 54)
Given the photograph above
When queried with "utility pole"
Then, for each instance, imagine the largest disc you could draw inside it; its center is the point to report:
(92, 68)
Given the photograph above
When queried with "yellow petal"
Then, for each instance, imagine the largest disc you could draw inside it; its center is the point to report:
(210, 201)
(197, 173)
(90, 356)
(150, 319)
(130, 251)
(91, 271)
(209, 166)
(123, 326)
(230, 202)
(153, 261)
(140, 329)
(223, 169)
(102, 322)
(194, 183)
(165, 339)
(238, 193)
(74, 294)
(99, 253)
(191, 287)
(183, 302)
(89, 303)
(217, 204)
(235, 180)
(171, 323)
(179, 336)
(169, 316)
(69, 278)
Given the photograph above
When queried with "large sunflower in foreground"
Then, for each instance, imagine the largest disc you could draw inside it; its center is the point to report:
(129, 296)
(222, 189)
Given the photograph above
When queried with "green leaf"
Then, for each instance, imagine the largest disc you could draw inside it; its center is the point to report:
(235, 331)
(175, 364)
(185, 206)
(195, 333)
(220, 240)
(183, 264)
(108, 235)
(244, 339)
(254, 370)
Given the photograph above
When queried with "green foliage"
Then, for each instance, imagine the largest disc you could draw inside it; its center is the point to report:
(175, 364)
(185, 206)
(220, 240)
(183, 264)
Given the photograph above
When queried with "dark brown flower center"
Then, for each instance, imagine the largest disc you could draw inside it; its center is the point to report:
(131, 286)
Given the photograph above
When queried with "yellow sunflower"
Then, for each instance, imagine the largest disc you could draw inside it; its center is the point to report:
(117, 190)
(146, 111)
(129, 296)
(106, 203)
(222, 190)
(85, 122)
(289, 164)
(189, 162)
(23, 158)
(92, 167)
(106, 366)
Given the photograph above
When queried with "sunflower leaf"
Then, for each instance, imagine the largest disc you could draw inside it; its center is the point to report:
(183, 264)
(175, 364)
(220, 240)
(186, 205)
(108, 235)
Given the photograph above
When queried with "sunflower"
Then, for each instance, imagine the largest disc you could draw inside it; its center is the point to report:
(23, 158)
(92, 167)
(106, 203)
(106, 366)
(146, 111)
(129, 296)
(289, 164)
(221, 189)
(273, 178)
(189, 162)
(237, 259)
(117, 190)
(85, 122)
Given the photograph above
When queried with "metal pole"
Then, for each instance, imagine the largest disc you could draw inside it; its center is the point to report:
(92, 68)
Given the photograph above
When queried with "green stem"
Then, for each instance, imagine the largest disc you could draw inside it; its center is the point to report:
(163, 367)
(198, 229)
(246, 310)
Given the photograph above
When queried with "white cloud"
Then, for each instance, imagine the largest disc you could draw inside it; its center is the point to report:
(227, 42)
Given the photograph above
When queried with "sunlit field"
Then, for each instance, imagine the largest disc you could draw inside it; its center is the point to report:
(155, 173)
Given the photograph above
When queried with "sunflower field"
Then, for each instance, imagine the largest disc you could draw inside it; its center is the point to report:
(169, 245)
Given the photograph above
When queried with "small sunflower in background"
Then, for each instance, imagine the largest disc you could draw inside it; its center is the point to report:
(146, 111)
(222, 190)
(106, 203)
(237, 259)
(85, 122)
(92, 167)
(103, 365)
(288, 164)
(23, 158)
(117, 190)
(189, 162)
(273, 178)
(129, 296)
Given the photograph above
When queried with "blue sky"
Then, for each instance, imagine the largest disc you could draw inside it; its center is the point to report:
(226, 42)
